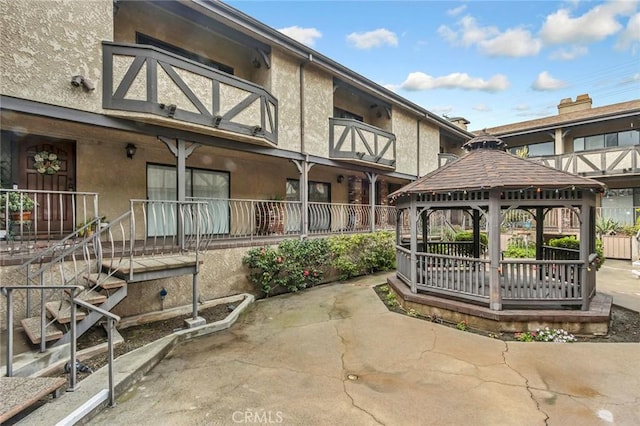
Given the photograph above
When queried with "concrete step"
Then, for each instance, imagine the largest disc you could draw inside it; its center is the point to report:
(61, 311)
(90, 296)
(32, 328)
(104, 281)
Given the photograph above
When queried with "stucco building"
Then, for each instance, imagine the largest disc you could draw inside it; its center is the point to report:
(600, 142)
(140, 102)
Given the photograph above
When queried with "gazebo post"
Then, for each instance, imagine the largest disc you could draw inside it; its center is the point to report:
(495, 299)
(413, 220)
(475, 214)
(586, 234)
(539, 233)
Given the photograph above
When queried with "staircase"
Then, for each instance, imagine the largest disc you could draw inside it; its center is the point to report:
(106, 262)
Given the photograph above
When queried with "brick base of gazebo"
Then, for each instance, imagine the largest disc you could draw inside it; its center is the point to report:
(592, 322)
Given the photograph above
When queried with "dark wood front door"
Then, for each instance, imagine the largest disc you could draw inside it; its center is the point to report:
(54, 211)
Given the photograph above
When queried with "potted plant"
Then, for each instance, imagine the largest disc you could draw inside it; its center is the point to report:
(19, 205)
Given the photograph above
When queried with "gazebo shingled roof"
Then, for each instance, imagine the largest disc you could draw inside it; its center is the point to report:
(488, 166)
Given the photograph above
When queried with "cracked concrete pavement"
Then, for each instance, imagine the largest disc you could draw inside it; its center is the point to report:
(334, 355)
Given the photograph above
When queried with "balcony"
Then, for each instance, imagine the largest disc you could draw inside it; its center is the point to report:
(613, 161)
(357, 142)
(144, 79)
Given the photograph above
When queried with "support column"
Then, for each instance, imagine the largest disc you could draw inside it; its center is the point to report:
(539, 232)
(181, 151)
(559, 142)
(475, 217)
(303, 168)
(413, 222)
(373, 177)
(586, 236)
(495, 298)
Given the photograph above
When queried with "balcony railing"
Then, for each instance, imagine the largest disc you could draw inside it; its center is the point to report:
(141, 78)
(355, 141)
(602, 162)
(25, 226)
(225, 219)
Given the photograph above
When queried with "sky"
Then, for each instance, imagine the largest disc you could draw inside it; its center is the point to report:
(491, 62)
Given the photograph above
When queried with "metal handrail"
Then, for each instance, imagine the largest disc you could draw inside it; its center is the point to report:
(111, 319)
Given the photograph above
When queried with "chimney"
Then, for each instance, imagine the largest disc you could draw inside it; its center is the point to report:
(582, 103)
(459, 121)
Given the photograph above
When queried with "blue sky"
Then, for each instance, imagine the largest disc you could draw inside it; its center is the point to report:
(492, 62)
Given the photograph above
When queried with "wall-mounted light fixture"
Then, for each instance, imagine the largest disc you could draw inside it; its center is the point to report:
(80, 80)
(340, 178)
(130, 149)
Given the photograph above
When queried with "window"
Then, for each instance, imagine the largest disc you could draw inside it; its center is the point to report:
(626, 138)
(631, 137)
(536, 149)
(593, 142)
(341, 113)
(211, 186)
(319, 194)
(145, 39)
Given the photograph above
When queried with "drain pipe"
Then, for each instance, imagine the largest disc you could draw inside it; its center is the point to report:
(304, 180)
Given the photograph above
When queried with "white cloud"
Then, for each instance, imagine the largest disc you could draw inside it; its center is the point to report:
(442, 110)
(630, 37)
(545, 82)
(597, 24)
(306, 36)
(514, 43)
(457, 10)
(375, 38)
(569, 53)
(522, 107)
(481, 108)
(635, 78)
(420, 81)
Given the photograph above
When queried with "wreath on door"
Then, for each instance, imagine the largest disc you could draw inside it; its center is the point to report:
(46, 163)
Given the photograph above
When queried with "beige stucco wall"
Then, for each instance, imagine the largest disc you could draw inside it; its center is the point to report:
(44, 43)
(429, 148)
(285, 86)
(405, 129)
(318, 107)
(152, 21)
(222, 274)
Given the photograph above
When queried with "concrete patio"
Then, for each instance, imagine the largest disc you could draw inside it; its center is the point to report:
(336, 355)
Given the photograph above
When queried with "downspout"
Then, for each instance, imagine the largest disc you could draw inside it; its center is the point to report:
(418, 148)
(304, 181)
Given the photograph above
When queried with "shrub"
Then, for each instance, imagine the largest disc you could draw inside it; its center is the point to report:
(468, 236)
(359, 254)
(574, 244)
(293, 265)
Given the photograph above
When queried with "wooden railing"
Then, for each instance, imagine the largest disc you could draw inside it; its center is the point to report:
(541, 281)
(526, 282)
(146, 79)
(354, 140)
(602, 162)
(453, 275)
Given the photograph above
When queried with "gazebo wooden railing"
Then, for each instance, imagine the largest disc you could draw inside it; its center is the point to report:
(522, 281)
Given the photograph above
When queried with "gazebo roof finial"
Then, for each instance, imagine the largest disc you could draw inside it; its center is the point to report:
(485, 141)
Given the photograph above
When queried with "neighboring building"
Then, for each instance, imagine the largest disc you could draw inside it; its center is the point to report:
(601, 142)
(173, 100)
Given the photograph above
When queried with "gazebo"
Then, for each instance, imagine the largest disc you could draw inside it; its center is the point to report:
(485, 184)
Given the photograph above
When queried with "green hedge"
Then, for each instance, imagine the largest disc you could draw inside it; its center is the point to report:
(574, 244)
(297, 264)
